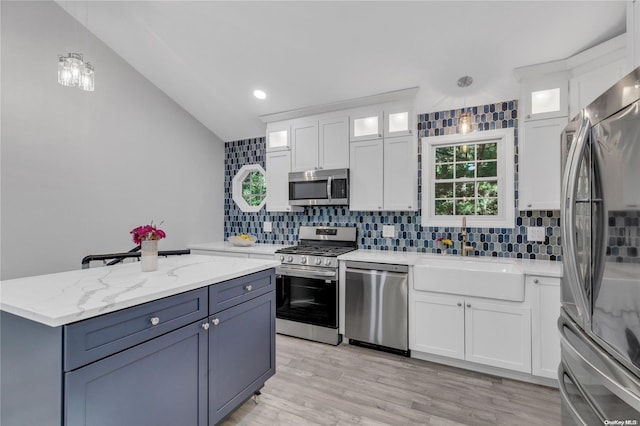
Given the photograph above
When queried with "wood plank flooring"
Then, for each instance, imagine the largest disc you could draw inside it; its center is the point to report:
(317, 384)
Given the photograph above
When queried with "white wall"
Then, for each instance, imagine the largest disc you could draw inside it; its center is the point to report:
(79, 170)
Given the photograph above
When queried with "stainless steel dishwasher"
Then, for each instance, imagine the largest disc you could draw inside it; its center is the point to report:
(376, 306)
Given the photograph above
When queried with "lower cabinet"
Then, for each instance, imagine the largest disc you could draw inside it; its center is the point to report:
(162, 382)
(545, 334)
(241, 353)
(493, 333)
(188, 359)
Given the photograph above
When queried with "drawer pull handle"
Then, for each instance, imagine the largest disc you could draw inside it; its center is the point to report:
(468, 305)
(155, 321)
(205, 326)
(215, 321)
(248, 287)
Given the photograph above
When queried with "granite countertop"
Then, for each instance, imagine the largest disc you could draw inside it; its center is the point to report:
(257, 248)
(66, 297)
(528, 266)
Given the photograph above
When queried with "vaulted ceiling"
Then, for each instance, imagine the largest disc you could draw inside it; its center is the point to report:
(209, 56)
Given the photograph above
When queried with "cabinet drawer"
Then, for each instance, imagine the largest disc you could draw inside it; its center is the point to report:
(238, 290)
(95, 338)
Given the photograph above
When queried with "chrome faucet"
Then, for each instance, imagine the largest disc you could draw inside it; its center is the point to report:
(466, 247)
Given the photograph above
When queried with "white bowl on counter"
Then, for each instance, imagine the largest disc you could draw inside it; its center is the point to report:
(237, 241)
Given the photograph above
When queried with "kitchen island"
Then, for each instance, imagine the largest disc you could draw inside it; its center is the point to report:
(185, 344)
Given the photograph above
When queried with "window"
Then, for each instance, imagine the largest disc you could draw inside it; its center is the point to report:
(468, 175)
(249, 188)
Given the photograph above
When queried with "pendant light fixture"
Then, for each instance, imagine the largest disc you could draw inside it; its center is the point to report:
(464, 122)
(73, 71)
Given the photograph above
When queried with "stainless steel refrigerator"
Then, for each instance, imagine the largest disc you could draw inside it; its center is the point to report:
(599, 375)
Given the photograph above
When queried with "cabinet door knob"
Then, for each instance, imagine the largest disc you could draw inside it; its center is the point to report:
(536, 281)
(205, 326)
(379, 207)
(154, 321)
(215, 321)
(409, 206)
(459, 303)
(410, 131)
(528, 205)
(468, 305)
(248, 287)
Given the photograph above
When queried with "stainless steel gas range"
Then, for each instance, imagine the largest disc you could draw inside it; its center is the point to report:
(307, 283)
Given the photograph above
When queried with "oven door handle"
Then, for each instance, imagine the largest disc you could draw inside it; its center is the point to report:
(304, 273)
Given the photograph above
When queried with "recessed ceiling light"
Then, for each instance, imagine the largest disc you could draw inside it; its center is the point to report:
(259, 94)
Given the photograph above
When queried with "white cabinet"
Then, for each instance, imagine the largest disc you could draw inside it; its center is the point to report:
(586, 87)
(320, 144)
(539, 164)
(545, 336)
(498, 334)
(400, 189)
(389, 120)
(545, 97)
(304, 146)
(278, 166)
(278, 136)
(398, 121)
(384, 174)
(334, 143)
(492, 333)
(366, 124)
(437, 325)
(366, 164)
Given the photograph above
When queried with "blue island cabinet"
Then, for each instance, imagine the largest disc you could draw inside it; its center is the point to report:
(184, 360)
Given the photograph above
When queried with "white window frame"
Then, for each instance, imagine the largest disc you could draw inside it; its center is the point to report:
(236, 187)
(506, 186)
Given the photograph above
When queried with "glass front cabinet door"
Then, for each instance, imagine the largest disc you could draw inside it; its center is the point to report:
(366, 125)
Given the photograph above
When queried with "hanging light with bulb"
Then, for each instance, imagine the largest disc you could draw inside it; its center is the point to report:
(464, 122)
(73, 71)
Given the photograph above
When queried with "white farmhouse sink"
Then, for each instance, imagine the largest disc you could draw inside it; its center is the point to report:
(470, 277)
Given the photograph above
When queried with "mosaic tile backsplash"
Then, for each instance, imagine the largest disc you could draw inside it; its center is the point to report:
(624, 236)
(410, 235)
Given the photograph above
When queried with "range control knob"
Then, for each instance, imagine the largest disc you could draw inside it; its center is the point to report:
(327, 262)
(282, 258)
(303, 260)
(289, 259)
(318, 261)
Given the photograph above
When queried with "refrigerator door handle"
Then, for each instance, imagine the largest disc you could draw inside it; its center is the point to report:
(569, 184)
(564, 371)
(628, 391)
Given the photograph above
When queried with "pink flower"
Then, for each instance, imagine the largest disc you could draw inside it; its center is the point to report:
(147, 232)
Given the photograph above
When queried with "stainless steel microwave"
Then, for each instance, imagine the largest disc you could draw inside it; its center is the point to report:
(319, 187)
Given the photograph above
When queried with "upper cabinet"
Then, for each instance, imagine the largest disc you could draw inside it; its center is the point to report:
(545, 97)
(374, 137)
(387, 121)
(550, 94)
(304, 146)
(320, 144)
(586, 87)
(278, 136)
(366, 125)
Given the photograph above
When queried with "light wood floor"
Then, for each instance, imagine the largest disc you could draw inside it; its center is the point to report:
(317, 384)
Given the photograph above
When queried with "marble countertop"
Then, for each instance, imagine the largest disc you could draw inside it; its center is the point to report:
(528, 266)
(257, 248)
(66, 297)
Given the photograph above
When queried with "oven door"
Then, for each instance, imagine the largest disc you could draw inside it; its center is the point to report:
(307, 296)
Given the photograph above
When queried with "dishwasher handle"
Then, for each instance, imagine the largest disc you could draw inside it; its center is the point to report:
(371, 266)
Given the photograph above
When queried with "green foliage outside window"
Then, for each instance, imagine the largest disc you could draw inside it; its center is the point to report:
(254, 188)
(466, 179)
